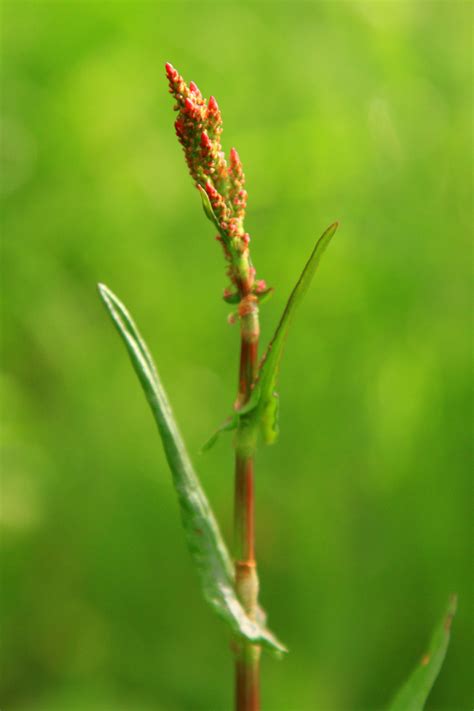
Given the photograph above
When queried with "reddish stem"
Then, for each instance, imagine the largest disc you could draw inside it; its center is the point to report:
(247, 696)
(248, 361)
(244, 511)
(247, 692)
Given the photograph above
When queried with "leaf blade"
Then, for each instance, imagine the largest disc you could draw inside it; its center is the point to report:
(207, 207)
(203, 536)
(261, 398)
(230, 424)
(413, 694)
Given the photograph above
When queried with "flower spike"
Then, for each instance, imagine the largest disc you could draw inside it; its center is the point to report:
(198, 128)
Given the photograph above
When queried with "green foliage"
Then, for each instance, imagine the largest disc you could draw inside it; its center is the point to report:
(357, 110)
(202, 532)
(414, 693)
(262, 408)
(208, 211)
(263, 403)
(228, 426)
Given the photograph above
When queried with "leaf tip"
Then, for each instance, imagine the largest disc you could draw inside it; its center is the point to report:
(282, 651)
(207, 444)
(103, 290)
(277, 648)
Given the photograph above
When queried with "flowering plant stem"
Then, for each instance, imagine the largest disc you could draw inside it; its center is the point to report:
(247, 655)
(231, 586)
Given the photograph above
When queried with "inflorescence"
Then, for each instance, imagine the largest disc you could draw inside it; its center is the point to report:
(199, 128)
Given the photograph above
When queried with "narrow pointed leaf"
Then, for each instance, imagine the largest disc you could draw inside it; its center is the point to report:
(413, 694)
(265, 296)
(262, 400)
(202, 531)
(207, 207)
(227, 426)
(122, 319)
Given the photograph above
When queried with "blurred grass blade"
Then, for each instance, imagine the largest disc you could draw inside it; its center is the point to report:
(202, 532)
(263, 398)
(413, 694)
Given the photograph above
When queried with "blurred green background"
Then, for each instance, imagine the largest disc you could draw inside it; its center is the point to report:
(357, 111)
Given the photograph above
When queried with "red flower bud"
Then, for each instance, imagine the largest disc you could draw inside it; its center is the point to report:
(193, 88)
(170, 71)
(234, 157)
(205, 141)
(179, 126)
(210, 190)
(213, 106)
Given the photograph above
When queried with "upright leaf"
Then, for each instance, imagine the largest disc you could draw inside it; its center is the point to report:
(413, 694)
(202, 532)
(263, 399)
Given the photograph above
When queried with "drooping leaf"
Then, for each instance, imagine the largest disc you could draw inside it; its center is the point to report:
(202, 532)
(414, 693)
(262, 401)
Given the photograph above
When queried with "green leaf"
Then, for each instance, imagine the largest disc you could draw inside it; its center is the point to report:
(227, 426)
(264, 296)
(202, 531)
(231, 298)
(262, 402)
(207, 207)
(413, 694)
(269, 426)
